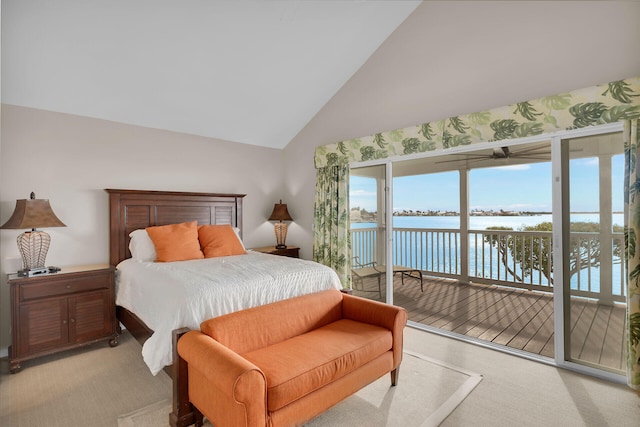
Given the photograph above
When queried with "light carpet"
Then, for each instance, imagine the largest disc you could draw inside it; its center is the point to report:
(86, 386)
(428, 391)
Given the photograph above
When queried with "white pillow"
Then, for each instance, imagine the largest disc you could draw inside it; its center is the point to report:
(237, 230)
(141, 246)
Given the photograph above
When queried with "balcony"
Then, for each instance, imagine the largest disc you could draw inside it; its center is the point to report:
(497, 286)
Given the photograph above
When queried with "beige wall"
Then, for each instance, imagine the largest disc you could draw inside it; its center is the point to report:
(448, 58)
(70, 160)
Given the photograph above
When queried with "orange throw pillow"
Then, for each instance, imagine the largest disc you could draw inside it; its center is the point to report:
(219, 240)
(176, 242)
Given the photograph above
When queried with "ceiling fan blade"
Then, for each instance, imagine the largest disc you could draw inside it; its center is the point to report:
(539, 152)
(465, 159)
(532, 158)
(527, 152)
(529, 149)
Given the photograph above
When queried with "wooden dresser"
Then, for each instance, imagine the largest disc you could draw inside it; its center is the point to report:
(60, 311)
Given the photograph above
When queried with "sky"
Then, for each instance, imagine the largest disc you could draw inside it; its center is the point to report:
(511, 188)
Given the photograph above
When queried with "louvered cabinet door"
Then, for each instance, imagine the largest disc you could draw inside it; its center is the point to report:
(89, 317)
(56, 312)
(43, 326)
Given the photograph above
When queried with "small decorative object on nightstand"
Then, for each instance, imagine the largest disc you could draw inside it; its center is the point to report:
(290, 251)
(33, 245)
(280, 213)
(52, 313)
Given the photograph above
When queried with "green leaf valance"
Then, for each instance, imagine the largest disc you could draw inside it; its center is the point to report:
(607, 103)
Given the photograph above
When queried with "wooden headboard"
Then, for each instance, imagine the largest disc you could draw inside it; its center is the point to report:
(133, 209)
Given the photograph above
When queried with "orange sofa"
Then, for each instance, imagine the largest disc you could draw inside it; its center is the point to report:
(284, 363)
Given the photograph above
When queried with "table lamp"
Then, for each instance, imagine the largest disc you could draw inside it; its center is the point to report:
(33, 245)
(280, 213)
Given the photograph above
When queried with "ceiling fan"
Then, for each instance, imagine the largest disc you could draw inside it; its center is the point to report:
(538, 152)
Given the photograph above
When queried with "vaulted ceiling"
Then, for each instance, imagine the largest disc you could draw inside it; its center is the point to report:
(253, 72)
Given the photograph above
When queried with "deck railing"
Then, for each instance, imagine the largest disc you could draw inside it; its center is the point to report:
(520, 259)
(511, 258)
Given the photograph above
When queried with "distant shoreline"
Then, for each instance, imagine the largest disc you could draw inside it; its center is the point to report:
(491, 213)
(371, 217)
(476, 213)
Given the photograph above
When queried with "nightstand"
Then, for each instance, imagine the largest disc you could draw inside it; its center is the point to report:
(290, 251)
(60, 311)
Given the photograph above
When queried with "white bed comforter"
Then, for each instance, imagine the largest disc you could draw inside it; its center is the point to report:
(172, 295)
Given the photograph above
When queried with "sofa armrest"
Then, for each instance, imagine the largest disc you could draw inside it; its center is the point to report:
(388, 316)
(222, 383)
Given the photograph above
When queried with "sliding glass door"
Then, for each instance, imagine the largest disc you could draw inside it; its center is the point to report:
(518, 245)
(367, 205)
(594, 288)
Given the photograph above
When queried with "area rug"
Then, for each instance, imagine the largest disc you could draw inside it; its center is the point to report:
(428, 391)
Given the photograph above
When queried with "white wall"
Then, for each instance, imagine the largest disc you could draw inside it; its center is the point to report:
(70, 160)
(452, 58)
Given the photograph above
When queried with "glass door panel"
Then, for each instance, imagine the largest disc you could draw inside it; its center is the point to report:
(428, 253)
(594, 314)
(367, 201)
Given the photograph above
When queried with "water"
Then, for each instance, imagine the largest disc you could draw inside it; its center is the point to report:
(482, 222)
(579, 281)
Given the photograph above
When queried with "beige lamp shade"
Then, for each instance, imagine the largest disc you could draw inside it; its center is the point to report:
(33, 213)
(33, 245)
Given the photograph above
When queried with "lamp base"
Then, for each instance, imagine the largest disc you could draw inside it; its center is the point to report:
(280, 229)
(33, 246)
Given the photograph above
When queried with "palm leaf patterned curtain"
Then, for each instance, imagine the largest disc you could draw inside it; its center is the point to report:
(608, 103)
(331, 239)
(632, 230)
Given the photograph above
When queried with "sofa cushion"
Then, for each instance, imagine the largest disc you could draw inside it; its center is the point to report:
(258, 327)
(302, 364)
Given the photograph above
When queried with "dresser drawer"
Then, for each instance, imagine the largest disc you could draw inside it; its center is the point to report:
(63, 286)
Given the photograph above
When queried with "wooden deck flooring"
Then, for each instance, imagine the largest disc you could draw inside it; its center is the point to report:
(514, 318)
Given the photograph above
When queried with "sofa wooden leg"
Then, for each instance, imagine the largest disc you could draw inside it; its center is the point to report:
(183, 414)
(394, 376)
(198, 417)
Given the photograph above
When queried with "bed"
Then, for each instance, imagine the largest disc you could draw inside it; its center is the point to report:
(153, 299)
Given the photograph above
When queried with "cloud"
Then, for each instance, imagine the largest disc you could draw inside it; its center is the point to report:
(363, 199)
(362, 193)
(514, 167)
